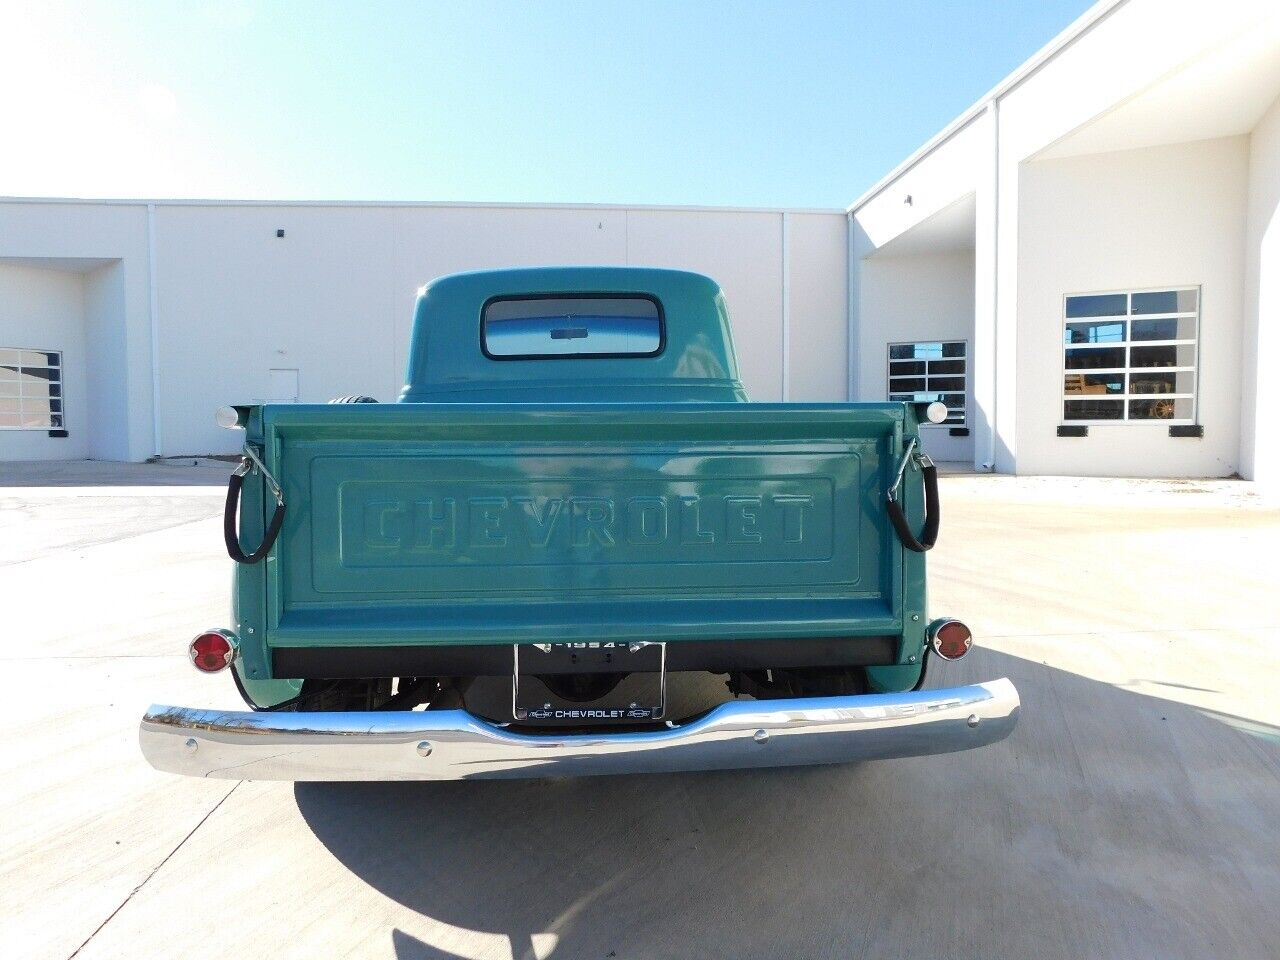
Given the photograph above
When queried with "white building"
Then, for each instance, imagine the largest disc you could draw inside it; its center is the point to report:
(161, 312)
(1120, 190)
(1129, 170)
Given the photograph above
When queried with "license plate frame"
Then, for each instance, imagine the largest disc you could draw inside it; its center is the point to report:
(639, 698)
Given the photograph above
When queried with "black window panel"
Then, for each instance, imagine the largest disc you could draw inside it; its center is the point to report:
(1096, 358)
(1098, 305)
(1163, 408)
(1165, 301)
(946, 383)
(1096, 331)
(1164, 328)
(906, 368)
(1094, 383)
(954, 349)
(908, 383)
(1166, 356)
(1093, 410)
(946, 366)
(1148, 381)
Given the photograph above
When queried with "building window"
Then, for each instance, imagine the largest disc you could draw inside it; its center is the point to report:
(31, 390)
(1131, 357)
(925, 372)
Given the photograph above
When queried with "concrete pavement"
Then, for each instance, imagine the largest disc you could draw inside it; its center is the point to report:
(1132, 814)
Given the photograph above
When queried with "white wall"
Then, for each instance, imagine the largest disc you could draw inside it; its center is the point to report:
(234, 301)
(107, 352)
(913, 298)
(334, 297)
(1260, 438)
(1125, 75)
(43, 309)
(1163, 216)
(945, 175)
(817, 309)
(743, 252)
(109, 239)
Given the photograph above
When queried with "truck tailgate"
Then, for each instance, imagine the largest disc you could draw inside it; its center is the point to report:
(493, 523)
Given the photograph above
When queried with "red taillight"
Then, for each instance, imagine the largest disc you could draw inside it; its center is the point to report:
(952, 640)
(212, 651)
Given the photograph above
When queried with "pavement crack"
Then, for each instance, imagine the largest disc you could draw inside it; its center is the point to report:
(155, 870)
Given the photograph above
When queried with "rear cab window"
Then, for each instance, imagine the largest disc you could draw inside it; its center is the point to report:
(563, 326)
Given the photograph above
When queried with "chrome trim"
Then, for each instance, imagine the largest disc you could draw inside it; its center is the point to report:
(251, 460)
(454, 745)
(896, 486)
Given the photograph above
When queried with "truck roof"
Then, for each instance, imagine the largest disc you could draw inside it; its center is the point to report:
(694, 359)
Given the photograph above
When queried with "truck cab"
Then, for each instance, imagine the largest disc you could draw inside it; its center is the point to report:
(574, 546)
(572, 335)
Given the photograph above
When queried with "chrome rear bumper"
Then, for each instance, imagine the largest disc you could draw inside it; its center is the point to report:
(454, 745)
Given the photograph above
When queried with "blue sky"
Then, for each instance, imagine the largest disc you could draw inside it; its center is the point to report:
(757, 104)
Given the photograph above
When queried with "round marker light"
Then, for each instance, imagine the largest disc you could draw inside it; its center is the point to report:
(227, 418)
(951, 639)
(936, 412)
(212, 651)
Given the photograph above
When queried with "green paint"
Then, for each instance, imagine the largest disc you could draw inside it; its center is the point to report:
(528, 501)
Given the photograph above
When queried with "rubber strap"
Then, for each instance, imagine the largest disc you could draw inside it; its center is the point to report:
(933, 515)
(230, 525)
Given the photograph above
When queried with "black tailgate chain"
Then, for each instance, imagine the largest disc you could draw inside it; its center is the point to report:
(229, 515)
(933, 512)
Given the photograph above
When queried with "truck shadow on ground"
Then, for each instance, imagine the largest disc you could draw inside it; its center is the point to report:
(1111, 823)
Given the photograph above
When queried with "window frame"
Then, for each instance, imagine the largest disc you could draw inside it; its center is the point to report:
(1125, 398)
(964, 391)
(60, 380)
(575, 295)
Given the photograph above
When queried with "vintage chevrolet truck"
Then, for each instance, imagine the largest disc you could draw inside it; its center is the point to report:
(574, 547)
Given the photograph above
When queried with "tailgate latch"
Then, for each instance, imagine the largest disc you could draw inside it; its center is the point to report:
(230, 524)
(933, 513)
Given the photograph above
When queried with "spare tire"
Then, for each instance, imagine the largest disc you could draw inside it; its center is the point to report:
(353, 399)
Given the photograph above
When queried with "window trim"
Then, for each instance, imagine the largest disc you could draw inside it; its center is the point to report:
(576, 295)
(889, 378)
(62, 395)
(1127, 344)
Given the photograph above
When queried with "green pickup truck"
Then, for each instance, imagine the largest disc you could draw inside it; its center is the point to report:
(574, 547)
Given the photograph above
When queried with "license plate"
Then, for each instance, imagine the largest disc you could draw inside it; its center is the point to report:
(640, 696)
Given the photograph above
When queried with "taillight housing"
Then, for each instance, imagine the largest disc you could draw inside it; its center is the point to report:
(950, 639)
(213, 650)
